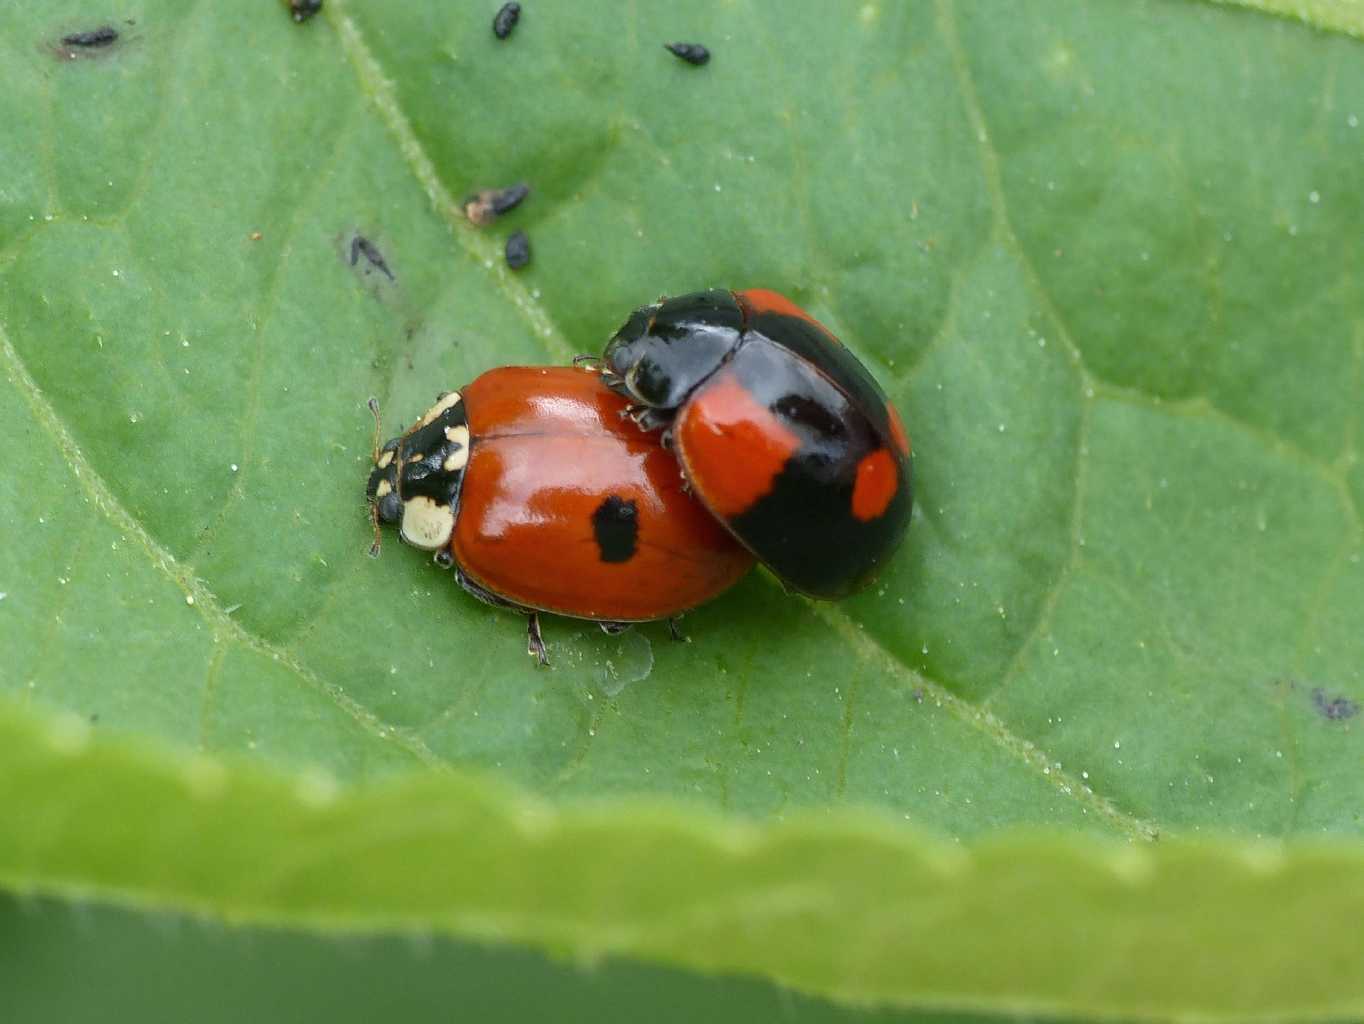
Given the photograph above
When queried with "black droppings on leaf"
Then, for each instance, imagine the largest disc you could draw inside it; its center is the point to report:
(1335, 708)
(105, 35)
(302, 10)
(505, 21)
(518, 250)
(362, 246)
(486, 206)
(692, 53)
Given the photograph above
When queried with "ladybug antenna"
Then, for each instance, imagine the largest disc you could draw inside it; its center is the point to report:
(378, 426)
(591, 362)
(373, 505)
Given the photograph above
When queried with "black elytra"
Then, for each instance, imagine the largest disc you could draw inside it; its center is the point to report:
(806, 509)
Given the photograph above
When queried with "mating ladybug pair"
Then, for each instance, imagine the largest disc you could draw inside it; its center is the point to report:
(558, 488)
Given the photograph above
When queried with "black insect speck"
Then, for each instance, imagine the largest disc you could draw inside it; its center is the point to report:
(506, 19)
(518, 250)
(95, 38)
(486, 206)
(302, 10)
(362, 246)
(692, 53)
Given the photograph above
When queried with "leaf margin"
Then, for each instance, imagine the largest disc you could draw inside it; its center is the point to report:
(847, 905)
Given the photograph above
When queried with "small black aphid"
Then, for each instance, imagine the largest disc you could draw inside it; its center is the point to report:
(486, 206)
(506, 20)
(518, 250)
(302, 10)
(102, 36)
(509, 197)
(362, 246)
(692, 53)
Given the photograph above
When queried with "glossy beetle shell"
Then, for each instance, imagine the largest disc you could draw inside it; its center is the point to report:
(781, 432)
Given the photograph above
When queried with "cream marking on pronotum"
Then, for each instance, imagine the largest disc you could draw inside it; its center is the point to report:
(425, 524)
(384, 460)
(458, 458)
(446, 401)
(384, 489)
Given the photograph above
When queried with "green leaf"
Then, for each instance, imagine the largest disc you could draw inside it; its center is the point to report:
(138, 966)
(843, 905)
(1103, 256)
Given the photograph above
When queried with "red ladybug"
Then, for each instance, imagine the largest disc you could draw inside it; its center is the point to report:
(533, 484)
(780, 431)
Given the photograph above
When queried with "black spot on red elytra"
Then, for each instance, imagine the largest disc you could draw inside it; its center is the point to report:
(615, 525)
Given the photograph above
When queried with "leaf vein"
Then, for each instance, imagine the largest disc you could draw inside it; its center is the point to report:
(482, 248)
(224, 627)
(991, 726)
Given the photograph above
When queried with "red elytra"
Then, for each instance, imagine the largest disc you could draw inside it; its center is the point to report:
(549, 449)
(533, 484)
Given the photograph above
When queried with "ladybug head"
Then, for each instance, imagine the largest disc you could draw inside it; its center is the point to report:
(665, 350)
(416, 477)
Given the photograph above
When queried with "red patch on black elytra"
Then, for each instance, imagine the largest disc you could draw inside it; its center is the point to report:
(733, 446)
(756, 301)
(875, 486)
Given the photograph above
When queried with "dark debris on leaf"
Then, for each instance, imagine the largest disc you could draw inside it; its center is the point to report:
(506, 19)
(362, 246)
(1334, 709)
(692, 53)
(105, 35)
(486, 206)
(518, 250)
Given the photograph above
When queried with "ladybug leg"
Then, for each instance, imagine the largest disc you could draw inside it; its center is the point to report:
(675, 628)
(373, 404)
(378, 534)
(614, 628)
(535, 643)
(486, 596)
(646, 417)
